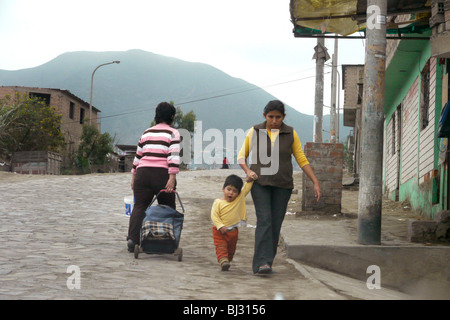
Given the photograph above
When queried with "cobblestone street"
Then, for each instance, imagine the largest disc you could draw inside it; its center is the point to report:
(49, 223)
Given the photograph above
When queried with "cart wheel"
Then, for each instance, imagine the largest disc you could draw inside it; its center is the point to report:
(180, 254)
(136, 251)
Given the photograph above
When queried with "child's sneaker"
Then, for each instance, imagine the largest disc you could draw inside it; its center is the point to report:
(225, 265)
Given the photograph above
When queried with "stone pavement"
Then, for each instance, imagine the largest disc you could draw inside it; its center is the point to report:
(58, 232)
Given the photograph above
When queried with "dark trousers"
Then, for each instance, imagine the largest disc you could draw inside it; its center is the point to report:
(147, 184)
(270, 206)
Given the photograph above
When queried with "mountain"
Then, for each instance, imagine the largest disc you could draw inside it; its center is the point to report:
(127, 93)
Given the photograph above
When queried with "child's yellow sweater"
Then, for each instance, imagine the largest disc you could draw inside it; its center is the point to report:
(224, 213)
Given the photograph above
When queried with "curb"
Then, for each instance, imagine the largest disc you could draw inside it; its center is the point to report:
(413, 270)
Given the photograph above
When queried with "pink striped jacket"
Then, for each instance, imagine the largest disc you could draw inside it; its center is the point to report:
(159, 146)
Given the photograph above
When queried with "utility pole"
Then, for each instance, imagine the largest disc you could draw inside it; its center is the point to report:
(333, 122)
(321, 55)
(370, 188)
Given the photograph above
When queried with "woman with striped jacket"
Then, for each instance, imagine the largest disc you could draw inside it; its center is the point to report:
(154, 168)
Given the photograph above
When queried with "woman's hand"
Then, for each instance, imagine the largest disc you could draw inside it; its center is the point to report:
(310, 173)
(317, 191)
(170, 185)
(250, 175)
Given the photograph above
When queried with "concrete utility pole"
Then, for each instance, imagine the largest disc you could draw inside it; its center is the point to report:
(321, 55)
(370, 189)
(333, 122)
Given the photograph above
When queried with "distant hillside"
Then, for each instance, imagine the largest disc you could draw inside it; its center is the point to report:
(127, 93)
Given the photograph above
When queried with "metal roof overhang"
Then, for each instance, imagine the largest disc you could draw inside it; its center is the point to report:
(323, 18)
(400, 69)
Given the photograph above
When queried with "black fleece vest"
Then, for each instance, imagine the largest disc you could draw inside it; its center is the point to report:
(273, 170)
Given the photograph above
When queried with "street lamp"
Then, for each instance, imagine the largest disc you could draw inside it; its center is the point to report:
(92, 85)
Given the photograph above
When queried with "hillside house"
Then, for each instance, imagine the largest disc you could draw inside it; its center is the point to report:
(74, 110)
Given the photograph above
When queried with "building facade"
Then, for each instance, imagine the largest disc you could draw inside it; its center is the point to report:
(415, 159)
(74, 110)
(353, 84)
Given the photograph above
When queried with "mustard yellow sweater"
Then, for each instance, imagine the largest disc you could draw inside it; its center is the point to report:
(297, 149)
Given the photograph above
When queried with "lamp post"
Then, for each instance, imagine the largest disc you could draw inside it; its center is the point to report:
(92, 85)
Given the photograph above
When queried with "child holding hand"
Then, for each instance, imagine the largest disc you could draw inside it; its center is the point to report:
(227, 215)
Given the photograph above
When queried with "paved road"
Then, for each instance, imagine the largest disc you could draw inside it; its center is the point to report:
(50, 223)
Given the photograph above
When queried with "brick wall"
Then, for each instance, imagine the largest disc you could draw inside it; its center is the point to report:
(326, 159)
(61, 100)
(350, 84)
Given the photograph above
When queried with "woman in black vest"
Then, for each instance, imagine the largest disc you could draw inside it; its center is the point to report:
(272, 144)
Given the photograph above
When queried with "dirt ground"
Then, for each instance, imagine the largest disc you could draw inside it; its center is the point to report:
(394, 214)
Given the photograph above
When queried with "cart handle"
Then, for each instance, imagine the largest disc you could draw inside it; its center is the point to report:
(164, 190)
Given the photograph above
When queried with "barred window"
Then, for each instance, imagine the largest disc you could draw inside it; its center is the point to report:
(360, 93)
(394, 147)
(72, 110)
(425, 95)
(82, 112)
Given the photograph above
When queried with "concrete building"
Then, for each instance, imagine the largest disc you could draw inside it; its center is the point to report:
(353, 85)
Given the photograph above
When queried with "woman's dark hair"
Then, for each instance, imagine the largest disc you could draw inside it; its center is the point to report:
(274, 105)
(165, 112)
(235, 181)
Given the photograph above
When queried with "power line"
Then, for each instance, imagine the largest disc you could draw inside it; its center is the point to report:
(254, 88)
(216, 96)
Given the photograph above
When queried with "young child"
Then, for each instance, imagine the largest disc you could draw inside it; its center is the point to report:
(227, 215)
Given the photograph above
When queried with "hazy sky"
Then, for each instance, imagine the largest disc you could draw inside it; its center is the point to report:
(248, 39)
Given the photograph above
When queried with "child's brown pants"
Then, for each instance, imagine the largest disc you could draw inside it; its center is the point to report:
(225, 244)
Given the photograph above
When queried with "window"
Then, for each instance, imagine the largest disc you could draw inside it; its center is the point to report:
(393, 133)
(43, 96)
(81, 115)
(360, 93)
(72, 110)
(425, 95)
(447, 90)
